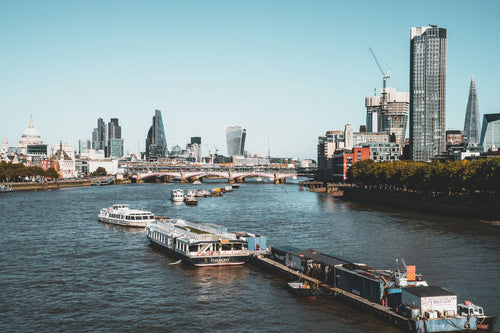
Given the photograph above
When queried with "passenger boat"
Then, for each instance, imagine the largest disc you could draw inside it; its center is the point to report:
(203, 244)
(202, 193)
(191, 193)
(177, 195)
(121, 214)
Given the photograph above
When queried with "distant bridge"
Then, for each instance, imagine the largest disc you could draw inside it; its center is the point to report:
(151, 172)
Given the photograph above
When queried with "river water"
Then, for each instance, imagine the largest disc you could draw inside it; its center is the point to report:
(62, 270)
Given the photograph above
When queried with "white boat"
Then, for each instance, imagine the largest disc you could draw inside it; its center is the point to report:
(177, 195)
(196, 182)
(5, 188)
(121, 214)
(203, 244)
(202, 193)
(191, 193)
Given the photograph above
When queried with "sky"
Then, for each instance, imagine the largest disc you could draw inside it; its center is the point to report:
(287, 71)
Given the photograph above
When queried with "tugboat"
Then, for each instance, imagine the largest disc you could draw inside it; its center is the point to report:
(303, 288)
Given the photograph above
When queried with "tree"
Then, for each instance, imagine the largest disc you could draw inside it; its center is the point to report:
(52, 173)
(100, 171)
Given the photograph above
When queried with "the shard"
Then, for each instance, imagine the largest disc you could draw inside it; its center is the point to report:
(471, 125)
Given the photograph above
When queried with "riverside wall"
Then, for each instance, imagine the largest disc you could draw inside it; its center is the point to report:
(482, 207)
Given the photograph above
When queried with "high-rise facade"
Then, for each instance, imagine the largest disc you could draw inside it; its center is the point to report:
(235, 140)
(490, 132)
(156, 142)
(471, 124)
(114, 147)
(388, 113)
(99, 137)
(427, 92)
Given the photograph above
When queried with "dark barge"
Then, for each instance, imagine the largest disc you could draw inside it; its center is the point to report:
(399, 297)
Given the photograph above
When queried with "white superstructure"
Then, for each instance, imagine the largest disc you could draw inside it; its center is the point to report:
(121, 214)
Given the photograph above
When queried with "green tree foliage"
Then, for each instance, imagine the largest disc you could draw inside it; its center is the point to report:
(52, 173)
(100, 171)
(449, 178)
(15, 172)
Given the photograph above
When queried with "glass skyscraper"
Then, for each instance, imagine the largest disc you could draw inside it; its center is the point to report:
(490, 133)
(156, 142)
(235, 139)
(471, 125)
(114, 147)
(427, 92)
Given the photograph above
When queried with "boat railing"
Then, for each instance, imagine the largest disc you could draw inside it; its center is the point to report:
(221, 253)
(178, 229)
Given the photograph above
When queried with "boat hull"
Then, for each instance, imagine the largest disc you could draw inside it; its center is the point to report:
(131, 224)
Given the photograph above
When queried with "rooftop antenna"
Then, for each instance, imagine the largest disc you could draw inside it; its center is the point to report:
(386, 75)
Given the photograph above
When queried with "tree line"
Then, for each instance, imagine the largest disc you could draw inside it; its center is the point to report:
(438, 178)
(15, 172)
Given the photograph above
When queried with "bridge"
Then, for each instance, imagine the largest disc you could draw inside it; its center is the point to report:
(158, 172)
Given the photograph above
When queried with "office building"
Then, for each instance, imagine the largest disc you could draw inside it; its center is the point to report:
(235, 139)
(99, 137)
(388, 113)
(114, 146)
(490, 132)
(156, 142)
(83, 144)
(427, 92)
(471, 124)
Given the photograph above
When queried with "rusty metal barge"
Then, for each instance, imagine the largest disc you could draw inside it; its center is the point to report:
(400, 297)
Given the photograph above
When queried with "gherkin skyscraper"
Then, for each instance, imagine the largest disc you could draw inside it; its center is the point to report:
(471, 125)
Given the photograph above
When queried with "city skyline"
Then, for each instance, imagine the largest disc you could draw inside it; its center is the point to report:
(277, 69)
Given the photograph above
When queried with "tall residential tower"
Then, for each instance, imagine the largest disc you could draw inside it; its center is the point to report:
(471, 124)
(427, 92)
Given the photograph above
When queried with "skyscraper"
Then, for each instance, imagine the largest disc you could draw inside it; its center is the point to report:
(490, 133)
(114, 146)
(235, 139)
(156, 143)
(99, 137)
(471, 124)
(427, 92)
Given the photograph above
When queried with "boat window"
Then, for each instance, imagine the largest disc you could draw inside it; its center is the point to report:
(128, 217)
(226, 247)
(193, 248)
(237, 246)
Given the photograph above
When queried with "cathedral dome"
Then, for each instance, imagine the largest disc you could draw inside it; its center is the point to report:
(30, 136)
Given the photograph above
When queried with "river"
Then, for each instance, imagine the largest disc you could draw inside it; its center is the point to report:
(62, 270)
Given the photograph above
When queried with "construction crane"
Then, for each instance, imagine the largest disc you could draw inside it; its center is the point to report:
(386, 75)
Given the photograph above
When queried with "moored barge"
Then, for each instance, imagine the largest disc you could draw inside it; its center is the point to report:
(401, 297)
(203, 244)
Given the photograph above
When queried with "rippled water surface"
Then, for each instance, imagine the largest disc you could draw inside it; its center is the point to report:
(61, 270)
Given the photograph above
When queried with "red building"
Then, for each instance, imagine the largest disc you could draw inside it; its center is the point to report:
(343, 161)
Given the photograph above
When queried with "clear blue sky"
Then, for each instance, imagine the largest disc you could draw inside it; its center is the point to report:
(290, 70)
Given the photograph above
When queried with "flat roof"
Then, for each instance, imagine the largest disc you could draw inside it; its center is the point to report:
(321, 257)
(428, 291)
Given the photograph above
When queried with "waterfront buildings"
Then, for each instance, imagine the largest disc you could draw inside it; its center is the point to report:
(342, 161)
(4, 150)
(235, 139)
(471, 124)
(490, 132)
(427, 92)
(388, 113)
(156, 142)
(63, 160)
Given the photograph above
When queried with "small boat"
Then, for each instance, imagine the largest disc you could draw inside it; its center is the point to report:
(191, 193)
(177, 195)
(217, 192)
(259, 179)
(121, 214)
(196, 182)
(191, 201)
(304, 288)
(228, 189)
(235, 186)
(202, 193)
(5, 188)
